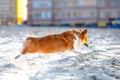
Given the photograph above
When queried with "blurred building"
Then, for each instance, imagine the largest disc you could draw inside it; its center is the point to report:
(11, 12)
(8, 13)
(39, 12)
(72, 11)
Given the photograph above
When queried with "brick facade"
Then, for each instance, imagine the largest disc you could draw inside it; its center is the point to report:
(8, 14)
(72, 11)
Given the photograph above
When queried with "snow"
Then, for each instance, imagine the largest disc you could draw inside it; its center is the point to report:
(99, 61)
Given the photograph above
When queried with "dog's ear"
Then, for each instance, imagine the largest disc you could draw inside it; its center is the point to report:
(30, 38)
(84, 32)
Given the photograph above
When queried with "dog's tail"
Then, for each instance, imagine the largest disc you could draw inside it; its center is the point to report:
(18, 56)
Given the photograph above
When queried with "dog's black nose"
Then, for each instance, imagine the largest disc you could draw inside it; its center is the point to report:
(86, 44)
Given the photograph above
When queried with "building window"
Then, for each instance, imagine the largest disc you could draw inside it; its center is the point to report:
(101, 3)
(57, 4)
(115, 2)
(85, 14)
(102, 14)
(46, 15)
(113, 14)
(80, 2)
(74, 14)
(64, 3)
(43, 15)
(87, 2)
(118, 13)
(36, 15)
(37, 4)
(74, 3)
(68, 3)
(69, 14)
(63, 14)
(93, 14)
(49, 15)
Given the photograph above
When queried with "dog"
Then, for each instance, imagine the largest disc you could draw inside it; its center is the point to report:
(63, 42)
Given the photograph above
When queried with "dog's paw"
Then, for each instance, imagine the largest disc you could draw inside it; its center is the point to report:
(78, 51)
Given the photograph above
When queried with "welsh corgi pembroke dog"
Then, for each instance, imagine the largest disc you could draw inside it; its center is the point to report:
(66, 41)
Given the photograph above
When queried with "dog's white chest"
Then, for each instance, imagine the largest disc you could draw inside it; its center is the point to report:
(76, 41)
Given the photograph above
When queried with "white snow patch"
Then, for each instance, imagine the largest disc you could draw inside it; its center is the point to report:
(99, 61)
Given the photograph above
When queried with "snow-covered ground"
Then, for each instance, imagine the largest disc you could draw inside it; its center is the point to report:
(100, 61)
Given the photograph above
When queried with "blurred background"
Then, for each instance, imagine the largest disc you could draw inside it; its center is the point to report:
(82, 13)
(20, 19)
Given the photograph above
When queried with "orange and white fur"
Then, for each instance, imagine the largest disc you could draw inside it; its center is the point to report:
(49, 44)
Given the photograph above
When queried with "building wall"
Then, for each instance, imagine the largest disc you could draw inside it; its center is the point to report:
(39, 11)
(113, 8)
(78, 11)
(7, 11)
(72, 11)
(12, 11)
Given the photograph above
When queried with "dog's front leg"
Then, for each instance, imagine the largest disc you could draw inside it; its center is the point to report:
(75, 49)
